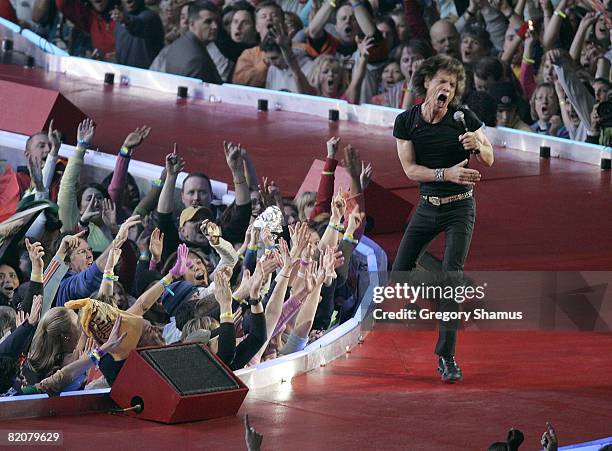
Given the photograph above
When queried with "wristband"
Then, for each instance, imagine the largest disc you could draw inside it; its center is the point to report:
(125, 151)
(144, 257)
(327, 173)
(305, 262)
(110, 276)
(153, 264)
(82, 143)
(439, 174)
(239, 301)
(528, 60)
(254, 301)
(166, 285)
(252, 248)
(561, 14)
(226, 315)
(337, 227)
(95, 356)
(157, 183)
(350, 238)
(36, 277)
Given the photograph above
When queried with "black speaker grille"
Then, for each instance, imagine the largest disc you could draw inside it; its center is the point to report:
(190, 369)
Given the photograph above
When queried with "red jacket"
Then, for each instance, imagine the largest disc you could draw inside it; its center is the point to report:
(102, 32)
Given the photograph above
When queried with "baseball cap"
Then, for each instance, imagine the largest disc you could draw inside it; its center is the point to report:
(504, 94)
(195, 214)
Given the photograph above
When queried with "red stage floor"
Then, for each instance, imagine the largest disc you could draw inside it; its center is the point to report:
(532, 213)
(394, 400)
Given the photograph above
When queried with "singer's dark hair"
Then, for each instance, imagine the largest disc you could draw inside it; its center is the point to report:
(431, 66)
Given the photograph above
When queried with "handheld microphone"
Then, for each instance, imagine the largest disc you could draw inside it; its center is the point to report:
(460, 117)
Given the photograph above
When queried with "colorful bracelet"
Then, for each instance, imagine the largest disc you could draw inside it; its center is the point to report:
(528, 60)
(226, 315)
(95, 356)
(36, 277)
(305, 262)
(337, 227)
(157, 183)
(144, 257)
(110, 276)
(82, 143)
(327, 173)
(560, 13)
(252, 248)
(350, 238)
(166, 285)
(125, 151)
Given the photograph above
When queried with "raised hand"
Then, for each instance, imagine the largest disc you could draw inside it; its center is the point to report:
(156, 245)
(245, 285)
(37, 303)
(122, 234)
(21, 317)
(69, 243)
(85, 131)
(36, 253)
(90, 344)
(117, 15)
(91, 212)
(549, 439)
(264, 192)
(352, 162)
(252, 438)
(174, 163)
(366, 175)
(113, 258)
(266, 237)
(135, 138)
(223, 293)
(299, 234)
(211, 231)
(182, 262)
(109, 214)
(364, 46)
(56, 139)
(332, 146)
(338, 206)
(233, 156)
(328, 264)
(460, 175)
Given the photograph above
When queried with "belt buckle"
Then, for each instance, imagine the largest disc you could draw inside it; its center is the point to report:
(434, 201)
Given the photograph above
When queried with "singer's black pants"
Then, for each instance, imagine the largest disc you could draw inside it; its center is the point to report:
(457, 221)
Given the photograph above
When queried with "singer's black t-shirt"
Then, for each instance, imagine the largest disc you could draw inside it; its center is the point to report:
(436, 145)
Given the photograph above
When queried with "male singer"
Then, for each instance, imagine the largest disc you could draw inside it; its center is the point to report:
(434, 145)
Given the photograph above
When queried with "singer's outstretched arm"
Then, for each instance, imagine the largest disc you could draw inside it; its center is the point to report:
(486, 149)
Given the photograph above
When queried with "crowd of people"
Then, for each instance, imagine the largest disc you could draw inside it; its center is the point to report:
(540, 66)
(94, 269)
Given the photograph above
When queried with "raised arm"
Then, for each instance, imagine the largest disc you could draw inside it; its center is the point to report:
(316, 27)
(553, 27)
(353, 91)
(586, 24)
(174, 165)
(364, 18)
(66, 198)
(233, 157)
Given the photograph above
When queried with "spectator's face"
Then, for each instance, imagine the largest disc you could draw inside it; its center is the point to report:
(243, 28)
(275, 59)
(40, 146)
(8, 281)
(184, 19)
(196, 274)
(444, 38)
(192, 233)
(308, 209)
(291, 214)
(601, 91)
(330, 79)
(256, 204)
(227, 22)
(92, 194)
(391, 75)
(589, 56)
(205, 26)
(601, 30)
(196, 192)
(546, 104)
(401, 27)
(571, 113)
(548, 72)
(409, 62)
(130, 6)
(471, 50)
(81, 258)
(483, 84)
(266, 18)
(441, 89)
(293, 24)
(506, 116)
(346, 24)
(99, 5)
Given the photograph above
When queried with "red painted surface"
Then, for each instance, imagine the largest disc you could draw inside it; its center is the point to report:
(532, 213)
(387, 395)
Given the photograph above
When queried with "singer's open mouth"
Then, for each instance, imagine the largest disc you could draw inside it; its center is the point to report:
(442, 98)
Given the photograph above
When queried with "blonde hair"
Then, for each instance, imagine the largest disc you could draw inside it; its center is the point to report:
(532, 101)
(206, 323)
(304, 200)
(315, 73)
(46, 352)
